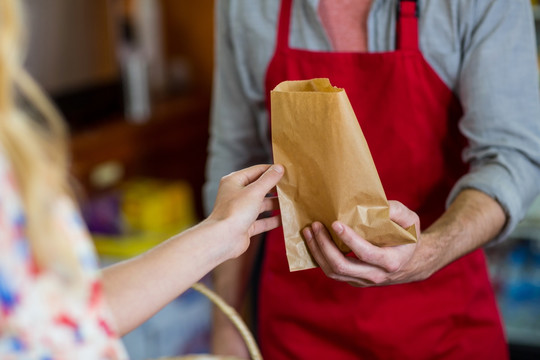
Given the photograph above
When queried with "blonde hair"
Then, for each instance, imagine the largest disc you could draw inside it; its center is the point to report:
(35, 146)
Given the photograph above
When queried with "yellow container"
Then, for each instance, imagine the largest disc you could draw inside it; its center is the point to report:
(151, 205)
(153, 211)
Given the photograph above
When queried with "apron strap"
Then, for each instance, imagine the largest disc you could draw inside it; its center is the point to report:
(284, 24)
(406, 29)
(407, 25)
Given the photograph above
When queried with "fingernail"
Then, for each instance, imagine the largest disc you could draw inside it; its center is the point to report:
(308, 234)
(278, 168)
(338, 228)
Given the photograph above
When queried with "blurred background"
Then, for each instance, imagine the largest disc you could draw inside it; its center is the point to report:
(133, 80)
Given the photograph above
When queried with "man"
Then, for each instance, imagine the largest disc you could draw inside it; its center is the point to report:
(431, 82)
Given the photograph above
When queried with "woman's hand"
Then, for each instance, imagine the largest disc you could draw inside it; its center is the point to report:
(372, 265)
(167, 270)
(242, 197)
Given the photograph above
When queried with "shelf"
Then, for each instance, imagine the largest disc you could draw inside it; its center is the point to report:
(529, 230)
(536, 12)
(529, 227)
(170, 145)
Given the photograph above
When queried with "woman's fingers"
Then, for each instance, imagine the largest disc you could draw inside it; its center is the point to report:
(268, 180)
(246, 176)
(269, 204)
(266, 224)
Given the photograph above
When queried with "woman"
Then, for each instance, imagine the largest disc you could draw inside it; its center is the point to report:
(54, 303)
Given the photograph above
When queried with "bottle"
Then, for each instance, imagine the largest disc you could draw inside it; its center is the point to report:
(133, 64)
(150, 24)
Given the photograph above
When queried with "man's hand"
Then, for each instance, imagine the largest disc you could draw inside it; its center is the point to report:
(472, 220)
(372, 265)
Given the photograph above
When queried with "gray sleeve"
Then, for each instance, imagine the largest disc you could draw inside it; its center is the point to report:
(498, 87)
(235, 140)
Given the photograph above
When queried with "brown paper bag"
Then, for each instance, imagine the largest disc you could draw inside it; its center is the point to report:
(329, 172)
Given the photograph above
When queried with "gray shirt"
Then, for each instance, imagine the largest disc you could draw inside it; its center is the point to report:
(484, 50)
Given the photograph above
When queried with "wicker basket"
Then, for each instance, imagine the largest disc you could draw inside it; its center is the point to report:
(236, 320)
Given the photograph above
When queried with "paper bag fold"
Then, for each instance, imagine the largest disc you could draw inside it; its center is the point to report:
(329, 171)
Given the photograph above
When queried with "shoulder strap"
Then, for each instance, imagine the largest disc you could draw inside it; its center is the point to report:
(284, 24)
(407, 25)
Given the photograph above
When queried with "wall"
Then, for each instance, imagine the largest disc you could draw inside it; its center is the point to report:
(70, 43)
(188, 31)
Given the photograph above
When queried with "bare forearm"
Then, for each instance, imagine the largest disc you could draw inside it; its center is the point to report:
(471, 221)
(138, 288)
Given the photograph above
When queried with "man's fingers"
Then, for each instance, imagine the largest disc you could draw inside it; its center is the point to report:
(315, 250)
(337, 262)
(363, 249)
(325, 242)
(336, 265)
(401, 215)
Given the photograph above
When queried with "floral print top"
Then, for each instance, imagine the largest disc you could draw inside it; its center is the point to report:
(41, 318)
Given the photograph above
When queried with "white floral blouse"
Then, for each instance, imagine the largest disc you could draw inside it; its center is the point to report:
(39, 317)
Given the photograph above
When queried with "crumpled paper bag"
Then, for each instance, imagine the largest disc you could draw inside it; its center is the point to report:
(329, 171)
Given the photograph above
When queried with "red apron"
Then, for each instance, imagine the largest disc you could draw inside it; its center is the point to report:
(409, 118)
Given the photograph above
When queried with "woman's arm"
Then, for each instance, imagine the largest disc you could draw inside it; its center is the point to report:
(137, 288)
